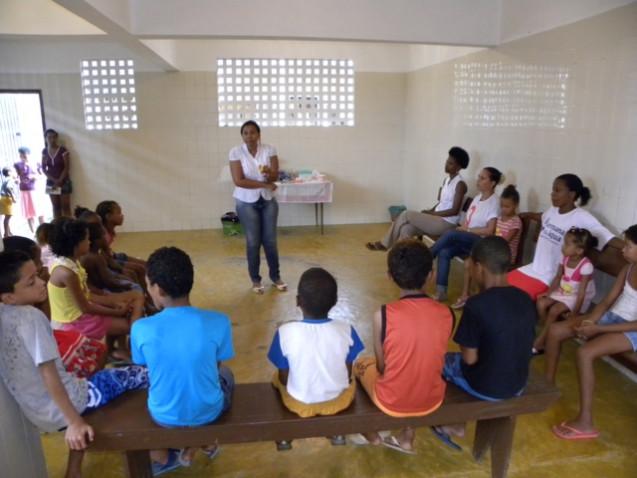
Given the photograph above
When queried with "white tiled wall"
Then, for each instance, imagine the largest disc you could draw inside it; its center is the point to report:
(166, 173)
(599, 138)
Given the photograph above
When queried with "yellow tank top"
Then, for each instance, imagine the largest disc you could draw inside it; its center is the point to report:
(64, 308)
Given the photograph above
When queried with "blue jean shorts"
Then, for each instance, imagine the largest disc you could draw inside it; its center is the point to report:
(610, 318)
(452, 372)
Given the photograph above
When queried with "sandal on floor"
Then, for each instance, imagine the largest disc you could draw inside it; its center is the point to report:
(375, 246)
(282, 287)
(172, 464)
(212, 453)
(393, 443)
(567, 432)
(535, 352)
(445, 438)
(459, 304)
(258, 289)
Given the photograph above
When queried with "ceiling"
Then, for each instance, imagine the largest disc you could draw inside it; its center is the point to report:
(171, 35)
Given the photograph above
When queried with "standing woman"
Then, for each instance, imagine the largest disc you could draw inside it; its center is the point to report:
(56, 166)
(28, 175)
(255, 168)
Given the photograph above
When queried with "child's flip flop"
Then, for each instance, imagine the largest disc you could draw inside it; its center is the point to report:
(445, 438)
(567, 432)
(393, 443)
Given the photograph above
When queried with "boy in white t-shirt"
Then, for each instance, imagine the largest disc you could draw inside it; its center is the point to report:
(314, 356)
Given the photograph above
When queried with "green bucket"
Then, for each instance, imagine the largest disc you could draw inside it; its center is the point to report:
(231, 228)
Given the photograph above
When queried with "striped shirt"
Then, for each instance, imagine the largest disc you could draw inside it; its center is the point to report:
(505, 229)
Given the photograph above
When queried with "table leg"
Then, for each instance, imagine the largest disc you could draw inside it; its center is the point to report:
(316, 223)
(322, 223)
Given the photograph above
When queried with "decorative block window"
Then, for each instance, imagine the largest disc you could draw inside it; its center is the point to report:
(511, 95)
(108, 89)
(285, 92)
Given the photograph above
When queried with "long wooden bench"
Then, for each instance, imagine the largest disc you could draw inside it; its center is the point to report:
(610, 261)
(257, 414)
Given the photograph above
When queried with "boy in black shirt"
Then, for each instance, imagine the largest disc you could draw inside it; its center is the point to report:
(495, 332)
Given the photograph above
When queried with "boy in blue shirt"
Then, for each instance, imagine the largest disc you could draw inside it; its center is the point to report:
(183, 348)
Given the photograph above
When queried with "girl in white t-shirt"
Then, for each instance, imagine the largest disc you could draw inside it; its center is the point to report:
(611, 328)
(572, 288)
(480, 222)
(568, 189)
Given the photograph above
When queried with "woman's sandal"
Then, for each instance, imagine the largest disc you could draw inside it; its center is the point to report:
(375, 246)
(258, 289)
(459, 304)
(280, 286)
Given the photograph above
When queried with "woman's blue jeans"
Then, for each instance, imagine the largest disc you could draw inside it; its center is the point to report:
(259, 224)
(450, 245)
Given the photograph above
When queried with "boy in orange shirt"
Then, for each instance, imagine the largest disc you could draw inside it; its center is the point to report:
(410, 342)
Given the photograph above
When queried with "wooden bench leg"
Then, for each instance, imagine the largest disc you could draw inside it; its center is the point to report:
(496, 434)
(138, 464)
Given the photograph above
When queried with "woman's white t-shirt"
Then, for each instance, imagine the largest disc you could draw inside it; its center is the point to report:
(250, 165)
(548, 252)
(447, 195)
(481, 212)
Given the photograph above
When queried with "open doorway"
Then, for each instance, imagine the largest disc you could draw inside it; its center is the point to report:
(22, 126)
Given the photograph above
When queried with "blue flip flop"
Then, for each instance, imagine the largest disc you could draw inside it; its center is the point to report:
(171, 464)
(445, 438)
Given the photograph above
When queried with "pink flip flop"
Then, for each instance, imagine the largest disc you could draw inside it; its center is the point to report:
(567, 432)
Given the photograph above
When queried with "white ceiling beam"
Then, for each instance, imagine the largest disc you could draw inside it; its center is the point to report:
(91, 14)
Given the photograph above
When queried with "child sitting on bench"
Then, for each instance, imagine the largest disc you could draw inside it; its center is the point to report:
(30, 365)
(183, 347)
(410, 341)
(314, 356)
(495, 334)
(611, 328)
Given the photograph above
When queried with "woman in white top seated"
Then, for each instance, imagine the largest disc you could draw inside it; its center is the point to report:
(255, 168)
(440, 218)
(480, 222)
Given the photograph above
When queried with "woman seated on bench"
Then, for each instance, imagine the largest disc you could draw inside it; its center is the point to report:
(568, 189)
(611, 328)
(443, 217)
(480, 222)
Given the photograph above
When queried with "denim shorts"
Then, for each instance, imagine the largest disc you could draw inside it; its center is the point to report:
(610, 318)
(452, 372)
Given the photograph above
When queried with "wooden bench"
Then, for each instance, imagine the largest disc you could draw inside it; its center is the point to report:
(257, 414)
(610, 261)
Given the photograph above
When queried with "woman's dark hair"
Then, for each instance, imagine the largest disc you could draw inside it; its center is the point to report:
(460, 155)
(631, 234)
(317, 292)
(494, 174)
(248, 123)
(575, 184)
(24, 150)
(43, 232)
(22, 244)
(104, 208)
(10, 264)
(409, 263)
(50, 131)
(511, 193)
(583, 238)
(171, 269)
(66, 234)
(6, 171)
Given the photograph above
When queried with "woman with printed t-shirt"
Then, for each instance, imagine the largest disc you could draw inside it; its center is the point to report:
(535, 278)
(56, 166)
(255, 168)
(479, 222)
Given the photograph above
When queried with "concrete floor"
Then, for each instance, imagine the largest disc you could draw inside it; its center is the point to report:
(222, 283)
